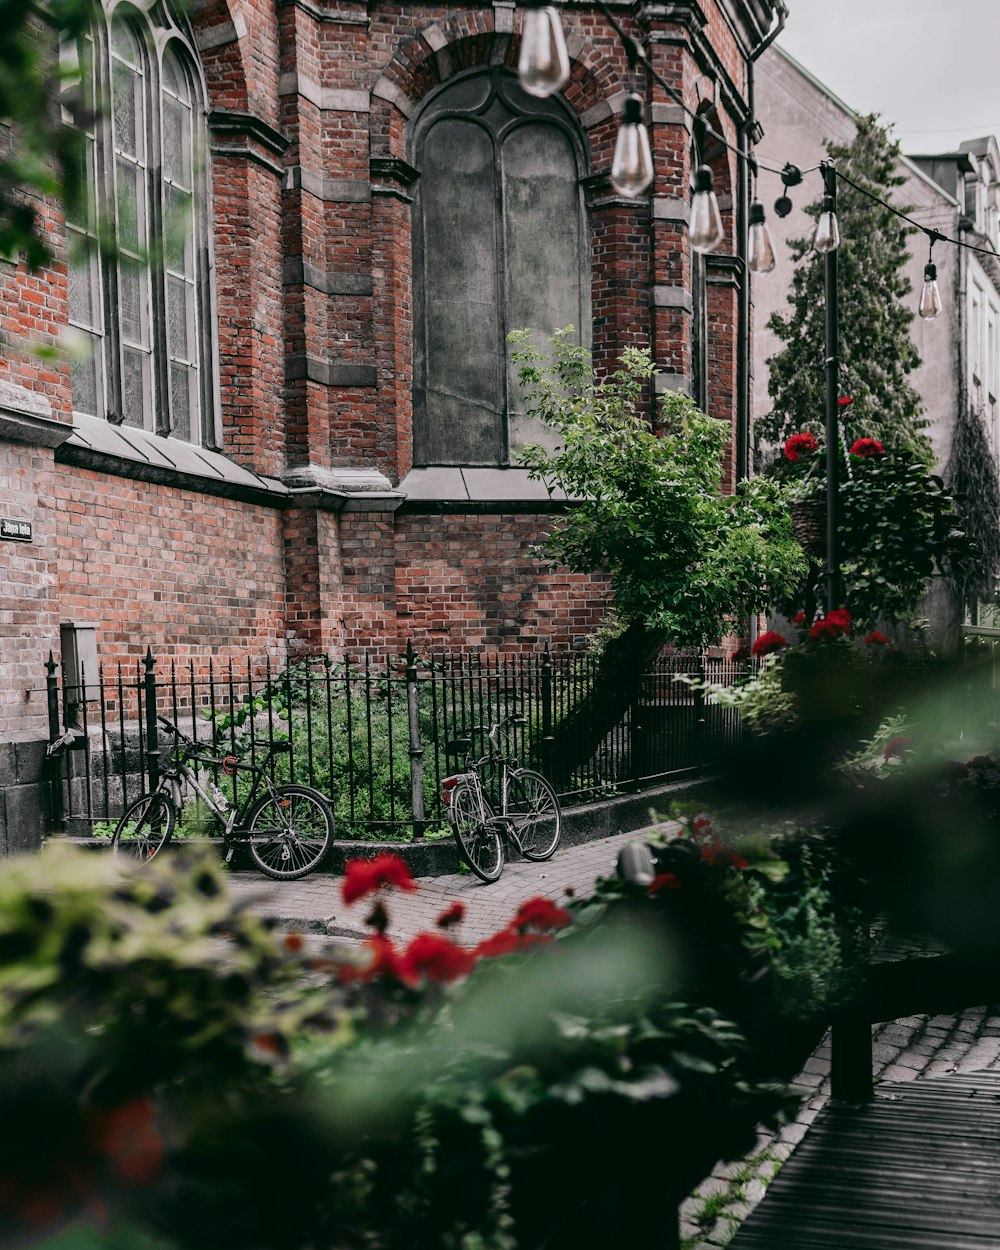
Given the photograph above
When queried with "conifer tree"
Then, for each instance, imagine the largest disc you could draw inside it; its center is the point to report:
(876, 351)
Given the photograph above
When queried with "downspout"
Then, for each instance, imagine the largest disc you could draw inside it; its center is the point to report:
(742, 465)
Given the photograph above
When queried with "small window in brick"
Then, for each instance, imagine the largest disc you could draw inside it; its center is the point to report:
(141, 305)
(500, 243)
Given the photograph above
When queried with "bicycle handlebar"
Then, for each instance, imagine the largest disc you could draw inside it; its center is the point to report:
(230, 762)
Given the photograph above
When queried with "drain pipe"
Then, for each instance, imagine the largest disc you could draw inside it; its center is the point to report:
(747, 132)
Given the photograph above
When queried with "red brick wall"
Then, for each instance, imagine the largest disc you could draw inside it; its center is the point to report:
(149, 564)
(313, 283)
(454, 581)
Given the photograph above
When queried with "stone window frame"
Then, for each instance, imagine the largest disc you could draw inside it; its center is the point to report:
(554, 111)
(159, 32)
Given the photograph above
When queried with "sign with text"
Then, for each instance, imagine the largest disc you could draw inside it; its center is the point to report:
(17, 531)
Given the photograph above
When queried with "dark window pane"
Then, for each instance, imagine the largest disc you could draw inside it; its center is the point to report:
(544, 245)
(460, 331)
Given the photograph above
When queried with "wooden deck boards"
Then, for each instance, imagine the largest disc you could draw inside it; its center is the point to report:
(918, 1168)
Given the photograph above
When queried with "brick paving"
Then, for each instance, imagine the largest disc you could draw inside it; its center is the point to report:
(904, 1050)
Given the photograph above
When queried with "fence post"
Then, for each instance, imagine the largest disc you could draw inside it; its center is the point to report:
(548, 739)
(699, 713)
(152, 739)
(416, 748)
(636, 745)
(55, 762)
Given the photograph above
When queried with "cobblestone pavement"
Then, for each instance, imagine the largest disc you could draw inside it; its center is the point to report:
(903, 1049)
(313, 904)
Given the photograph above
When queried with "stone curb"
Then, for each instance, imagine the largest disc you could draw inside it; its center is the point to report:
(438, 858)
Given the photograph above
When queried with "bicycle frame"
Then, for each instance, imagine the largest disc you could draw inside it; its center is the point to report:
(228, 818)
(473, 775)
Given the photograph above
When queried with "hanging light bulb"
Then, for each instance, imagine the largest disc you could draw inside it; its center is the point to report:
(827, 236)
(543, 66)
(705, 232)
(930, 295)
(760, 250)
(632, 166)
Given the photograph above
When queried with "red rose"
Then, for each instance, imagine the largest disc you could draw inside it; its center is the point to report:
(506, 942)
(766, 643)
(799, 618)
(799, 444)
(866, 447)
(541, 913)
(452, 915)
(364, 876)
(832, 625)
(845, 401)
(877, 638)
(436, 958)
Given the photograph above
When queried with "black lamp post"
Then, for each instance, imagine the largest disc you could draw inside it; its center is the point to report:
(827, 240)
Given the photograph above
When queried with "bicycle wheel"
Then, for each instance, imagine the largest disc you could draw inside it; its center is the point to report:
(290, 831)
(533, 810)
(479, 845)
(145, 828)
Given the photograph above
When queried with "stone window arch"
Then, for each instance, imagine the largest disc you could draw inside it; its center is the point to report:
(500, 242)
(138, 251)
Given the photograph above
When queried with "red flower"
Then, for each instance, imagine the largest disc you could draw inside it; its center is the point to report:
(896, 747)
(768, 642)
(363, 876)
(866, 447)
(435, 957)
(506, 942)
(128, 1138)
(541, 913)
(663, 881)
(293, 943)
(798, 444)
(845, 401)
(832, 625)
(877, 638)
(739, 654)
(716, 852)
(799, 618)
(452, 915)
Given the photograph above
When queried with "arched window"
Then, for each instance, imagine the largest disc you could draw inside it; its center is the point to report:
(500, 243)
(138, 257)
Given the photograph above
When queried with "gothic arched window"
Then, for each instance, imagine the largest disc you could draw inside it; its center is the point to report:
(138, 254)
(500, 243)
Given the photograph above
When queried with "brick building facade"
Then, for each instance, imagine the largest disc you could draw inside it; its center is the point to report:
(232, 464)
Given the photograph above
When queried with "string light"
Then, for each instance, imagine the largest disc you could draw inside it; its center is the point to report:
(543, 66)
(760, 249)
(930, 296)
(827, 236)
(632, 166)
(705, 232)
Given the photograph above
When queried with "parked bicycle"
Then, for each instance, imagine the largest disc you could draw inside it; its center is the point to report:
(287, 828)
(523, 812)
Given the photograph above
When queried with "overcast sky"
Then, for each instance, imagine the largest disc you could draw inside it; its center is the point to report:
(930, 69)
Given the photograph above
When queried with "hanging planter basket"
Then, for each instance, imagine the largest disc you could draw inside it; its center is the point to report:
(809, 524)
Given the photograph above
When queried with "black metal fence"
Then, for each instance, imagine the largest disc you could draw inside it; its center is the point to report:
(373, 733)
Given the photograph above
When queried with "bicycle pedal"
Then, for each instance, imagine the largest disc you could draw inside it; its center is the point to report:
(230, 853)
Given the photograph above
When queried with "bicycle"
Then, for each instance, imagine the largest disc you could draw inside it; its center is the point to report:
(527, 813)
(287, 828)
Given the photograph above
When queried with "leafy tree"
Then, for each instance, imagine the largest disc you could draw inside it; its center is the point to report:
(973, 472)
(876, 352)
(39, 154)
(683, 559)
